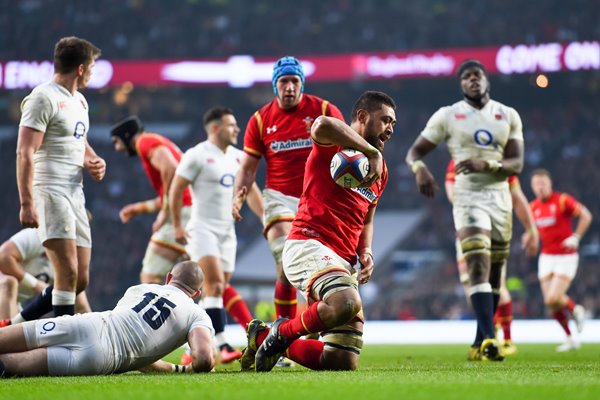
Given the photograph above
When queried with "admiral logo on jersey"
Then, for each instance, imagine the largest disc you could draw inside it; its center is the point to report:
(367, 193)
(291, 145)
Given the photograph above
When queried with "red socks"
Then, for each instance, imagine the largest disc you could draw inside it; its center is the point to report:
(505, 315)
(570, 305)
(563, 320)
(306, 353)
(285, 300)
(307, 322)
(236, 306)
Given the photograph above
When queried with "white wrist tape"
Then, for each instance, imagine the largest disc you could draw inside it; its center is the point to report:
(28, 282)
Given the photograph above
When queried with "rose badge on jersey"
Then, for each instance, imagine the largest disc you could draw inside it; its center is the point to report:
(349, 167)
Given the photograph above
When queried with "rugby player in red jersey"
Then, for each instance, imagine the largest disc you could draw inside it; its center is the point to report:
(557, 264)
(529, 242)
(280, 132)
(159, 157)
(332, 227)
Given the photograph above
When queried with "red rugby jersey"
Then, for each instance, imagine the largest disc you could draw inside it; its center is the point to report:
(283, 138)
(329, 213)
(451, 175)
(553, 220)
(145, 144)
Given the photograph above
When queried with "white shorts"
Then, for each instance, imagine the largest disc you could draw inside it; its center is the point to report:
(208, 240)
(278, 207)
(304, 260)
(165, 236)
(62, 215)
(489, 209)
(557, 264)
(75, 344)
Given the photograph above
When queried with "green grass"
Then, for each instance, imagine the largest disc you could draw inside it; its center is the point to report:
(387, 372)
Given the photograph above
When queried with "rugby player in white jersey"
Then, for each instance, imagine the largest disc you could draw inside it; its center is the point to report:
(149, 322)
(25, 271)
(52, 152)
(210, 168)
(485, 140)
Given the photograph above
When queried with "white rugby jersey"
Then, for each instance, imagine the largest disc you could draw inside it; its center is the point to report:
(63, 116)
(148, 323)
(34, 259)
(212, 174)
(475, 134)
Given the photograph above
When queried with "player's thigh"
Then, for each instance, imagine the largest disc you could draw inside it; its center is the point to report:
(211, 267)
(74, 344)
(228, 248)
(278, 208)
(82, 221)
(56, 216)
(315, 270)
(28, 363)
(203, 241)
(499, 207)
(558, 287)
(164, 237)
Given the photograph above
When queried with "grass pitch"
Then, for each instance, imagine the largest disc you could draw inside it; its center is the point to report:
(387, 372)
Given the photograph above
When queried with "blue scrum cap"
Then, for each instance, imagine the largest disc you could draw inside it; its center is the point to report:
(287, 65)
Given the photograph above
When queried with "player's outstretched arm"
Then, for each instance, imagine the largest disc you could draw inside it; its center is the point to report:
(201, 344)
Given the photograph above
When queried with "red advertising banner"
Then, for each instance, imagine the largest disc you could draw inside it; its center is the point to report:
(244, 70)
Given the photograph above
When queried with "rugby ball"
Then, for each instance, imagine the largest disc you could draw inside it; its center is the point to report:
(349, 167)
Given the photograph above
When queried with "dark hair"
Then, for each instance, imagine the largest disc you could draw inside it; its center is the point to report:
(216, 113)
(541, 172)
(371, 101)
(70, 52)
(470, 63)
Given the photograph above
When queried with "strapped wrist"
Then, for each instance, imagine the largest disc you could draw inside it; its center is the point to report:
(416, 165)
(28, 282)
(179, 369)
(493, 165)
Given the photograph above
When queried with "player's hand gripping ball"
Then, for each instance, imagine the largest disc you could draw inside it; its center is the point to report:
(349, 167)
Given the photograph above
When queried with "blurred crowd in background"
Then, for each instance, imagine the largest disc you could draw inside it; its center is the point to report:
(561, 122)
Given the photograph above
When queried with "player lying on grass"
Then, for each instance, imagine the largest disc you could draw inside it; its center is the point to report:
(149, 322)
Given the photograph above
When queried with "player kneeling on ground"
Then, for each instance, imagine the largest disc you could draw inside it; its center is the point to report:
(148, 323)
(332, 226)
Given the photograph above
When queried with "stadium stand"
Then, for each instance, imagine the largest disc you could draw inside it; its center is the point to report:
(561, 122)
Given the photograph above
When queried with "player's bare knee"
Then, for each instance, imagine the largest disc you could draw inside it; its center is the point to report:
(344, 306)
(82, 282)
(476, 249)
(214, 288)
(554, 301)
